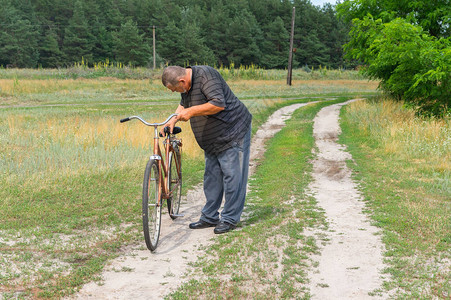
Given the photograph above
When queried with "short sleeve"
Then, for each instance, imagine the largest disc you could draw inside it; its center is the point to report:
(213, 90)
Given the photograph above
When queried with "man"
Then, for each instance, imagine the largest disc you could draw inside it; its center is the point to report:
(222, 127)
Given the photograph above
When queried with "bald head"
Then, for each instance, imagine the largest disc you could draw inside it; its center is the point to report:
(172, 74)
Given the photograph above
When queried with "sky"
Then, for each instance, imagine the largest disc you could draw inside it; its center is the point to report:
(321, 2)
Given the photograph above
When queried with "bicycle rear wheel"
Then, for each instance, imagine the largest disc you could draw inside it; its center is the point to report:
(151, 206)
(174, 183)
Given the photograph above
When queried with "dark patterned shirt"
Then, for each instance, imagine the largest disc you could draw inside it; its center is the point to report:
(215, 133)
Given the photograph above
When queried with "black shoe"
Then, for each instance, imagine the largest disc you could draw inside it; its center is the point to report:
(224, 227)
(201, 224)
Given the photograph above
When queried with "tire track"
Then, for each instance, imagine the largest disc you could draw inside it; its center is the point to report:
(351, 262)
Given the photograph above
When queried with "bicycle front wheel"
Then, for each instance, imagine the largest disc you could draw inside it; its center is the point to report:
(174, 183)
(151, 209)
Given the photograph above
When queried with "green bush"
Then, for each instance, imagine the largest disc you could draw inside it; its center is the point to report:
(411, 64)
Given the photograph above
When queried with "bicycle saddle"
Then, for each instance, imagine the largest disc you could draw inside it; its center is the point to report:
(174, 131)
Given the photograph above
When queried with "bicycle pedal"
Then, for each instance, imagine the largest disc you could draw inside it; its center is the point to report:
(177, 215)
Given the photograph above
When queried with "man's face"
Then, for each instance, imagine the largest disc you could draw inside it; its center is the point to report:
(180, 87)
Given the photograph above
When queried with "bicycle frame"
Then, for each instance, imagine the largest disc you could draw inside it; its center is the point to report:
(163, 190)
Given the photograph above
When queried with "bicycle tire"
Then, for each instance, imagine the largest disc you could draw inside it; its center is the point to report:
(151, 206)
(174, 184)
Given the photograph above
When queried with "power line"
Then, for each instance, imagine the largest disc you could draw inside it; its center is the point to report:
(67, 25)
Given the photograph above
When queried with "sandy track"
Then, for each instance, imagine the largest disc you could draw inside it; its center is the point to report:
(143, 275)
(351, 262)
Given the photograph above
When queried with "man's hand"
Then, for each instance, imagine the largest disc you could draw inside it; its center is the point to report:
(172, 122)
(169, 124)
(184, 115)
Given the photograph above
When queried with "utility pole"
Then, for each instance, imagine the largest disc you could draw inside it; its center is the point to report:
(154, 51)
(290, 55)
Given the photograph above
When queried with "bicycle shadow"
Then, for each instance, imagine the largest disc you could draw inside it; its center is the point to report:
(175, 235)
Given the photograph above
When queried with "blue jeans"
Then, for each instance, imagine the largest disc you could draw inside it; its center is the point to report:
(226, 176)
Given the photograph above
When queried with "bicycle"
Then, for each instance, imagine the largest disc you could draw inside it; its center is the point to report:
(162, 180)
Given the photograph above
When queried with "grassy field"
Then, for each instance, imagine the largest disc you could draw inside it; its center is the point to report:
(70, 173)
(70, 182)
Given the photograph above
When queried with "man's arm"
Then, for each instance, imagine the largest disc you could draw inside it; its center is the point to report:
(198, 110)
(184, 114)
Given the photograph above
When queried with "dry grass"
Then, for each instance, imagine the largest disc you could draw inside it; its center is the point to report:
(107, 89)
(403, 164)
(17, 87)
(64, 86)
(78, 143)
(422, 141)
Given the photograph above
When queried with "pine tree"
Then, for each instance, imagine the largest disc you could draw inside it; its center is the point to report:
(18, 38)
(58, 33)
(276, 46)
(241, 42)
(78, 40)
(313, 51)
(169, 46)
(215, 31)
(195, 51)
(103, 44)
(50, 54)
(130, 46)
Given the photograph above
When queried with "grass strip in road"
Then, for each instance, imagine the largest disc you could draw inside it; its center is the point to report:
(403, 165)
(268, 256)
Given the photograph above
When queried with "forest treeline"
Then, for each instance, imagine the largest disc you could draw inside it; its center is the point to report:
(58, 33)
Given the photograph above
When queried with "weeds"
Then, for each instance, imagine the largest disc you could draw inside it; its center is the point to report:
(121, 71)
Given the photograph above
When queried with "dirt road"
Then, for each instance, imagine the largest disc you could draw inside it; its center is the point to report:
(144, 275)
(350, 264)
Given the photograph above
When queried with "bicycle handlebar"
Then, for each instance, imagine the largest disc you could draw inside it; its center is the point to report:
(146, 123)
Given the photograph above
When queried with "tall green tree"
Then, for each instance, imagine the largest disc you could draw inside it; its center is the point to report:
(215, 31)
(103, 45)
(60, 32)
(412, 62)
(333, 33)
(276, 45)
(433, 16)
(130, 46)
(242, 39)
(312, 50)
(55, 13)
(78, 39)
(18, 38)
(185, 45)
(50, 53)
